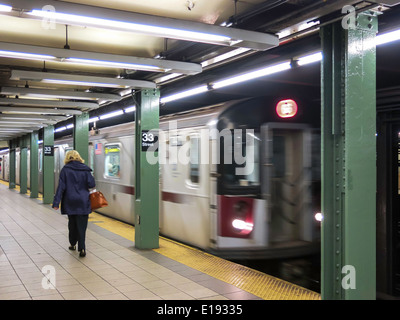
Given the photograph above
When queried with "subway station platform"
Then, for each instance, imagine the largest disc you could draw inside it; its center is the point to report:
(36, 264)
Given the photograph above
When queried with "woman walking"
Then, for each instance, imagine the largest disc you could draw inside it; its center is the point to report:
(73, 193)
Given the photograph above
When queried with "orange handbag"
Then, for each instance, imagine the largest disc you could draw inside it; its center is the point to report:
(97, 200)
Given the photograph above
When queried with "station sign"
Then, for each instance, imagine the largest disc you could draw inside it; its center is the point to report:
(149, 140)
(48, 150)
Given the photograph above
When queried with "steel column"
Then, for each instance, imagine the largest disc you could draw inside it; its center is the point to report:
(81, 135)
(34, 165)
(11, 175)
(23, 167)
(146, 173)
(349, 159)
(48, 164)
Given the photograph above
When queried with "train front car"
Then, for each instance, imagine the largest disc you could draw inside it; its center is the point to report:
(268, 162)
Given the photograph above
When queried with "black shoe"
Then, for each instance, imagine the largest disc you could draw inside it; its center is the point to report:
(82, 253)
(73, 248)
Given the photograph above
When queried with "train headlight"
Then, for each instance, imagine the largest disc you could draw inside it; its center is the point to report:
(242, 225)
(318, 216)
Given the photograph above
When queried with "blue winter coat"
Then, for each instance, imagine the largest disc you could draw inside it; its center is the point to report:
(73, 189)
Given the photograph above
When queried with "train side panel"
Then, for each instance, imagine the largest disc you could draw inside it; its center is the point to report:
(185, 191)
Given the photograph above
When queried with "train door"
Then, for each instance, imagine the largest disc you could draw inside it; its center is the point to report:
(286, 181)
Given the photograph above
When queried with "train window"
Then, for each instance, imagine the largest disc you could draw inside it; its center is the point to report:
(112, 161)
(244, 156)
(194, 159)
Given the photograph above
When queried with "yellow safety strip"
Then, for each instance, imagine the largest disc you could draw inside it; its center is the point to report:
(260, 284)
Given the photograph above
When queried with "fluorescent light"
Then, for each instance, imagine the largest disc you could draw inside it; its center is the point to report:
(70, 126)
(94, 119)
(47, 103)
(29, 110)
(60, 94)
(184, 94)
(252, 75)
(111, 114)
(80, 83)
(21, 51)
(388, 37)
(92, 16)
(315, 57)
(167, 77)
(72, 79)
(113, 64)
(60, 129)
(25, 55)
(224, 56)
(130, 109)
(127, 26)
(229, 81)
(4, 8)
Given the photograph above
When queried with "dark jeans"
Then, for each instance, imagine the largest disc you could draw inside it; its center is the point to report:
(77, 225)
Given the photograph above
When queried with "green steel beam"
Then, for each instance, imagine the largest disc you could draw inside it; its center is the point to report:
(48, 164)
(146, 172)
(348, 84)
(34, 165)
(23, 167)
(81, 135)
(13, 146)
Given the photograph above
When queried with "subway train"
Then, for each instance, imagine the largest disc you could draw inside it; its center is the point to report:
(239, 179)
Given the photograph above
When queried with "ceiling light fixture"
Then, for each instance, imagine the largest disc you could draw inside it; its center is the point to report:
(98, 17)
(60, 94)
(388, 37)
(4, 8)
(48, 103)
(184, 94)
(13, 110)
(111, 114)
(79, 80)
(130, 109)
(310, 58)
(229, 81)
(25, 55)
(106, 60)
(252, 75)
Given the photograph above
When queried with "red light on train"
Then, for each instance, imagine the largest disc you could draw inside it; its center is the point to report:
(286, 108)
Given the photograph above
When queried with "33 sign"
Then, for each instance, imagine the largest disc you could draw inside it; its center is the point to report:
(149, 139)
(48, 150)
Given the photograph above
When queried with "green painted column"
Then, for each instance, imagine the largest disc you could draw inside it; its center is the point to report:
(349, 160)
(146, 172)
(48, 164)
(81, 135)
(11, 165)
(23, 167)
(34, 165)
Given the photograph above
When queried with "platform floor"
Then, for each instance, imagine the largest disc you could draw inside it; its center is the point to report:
(34, 244)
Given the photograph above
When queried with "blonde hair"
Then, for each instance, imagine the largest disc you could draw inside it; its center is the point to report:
(73, 155)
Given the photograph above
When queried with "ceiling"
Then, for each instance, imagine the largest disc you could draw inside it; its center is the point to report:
(265, 17)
